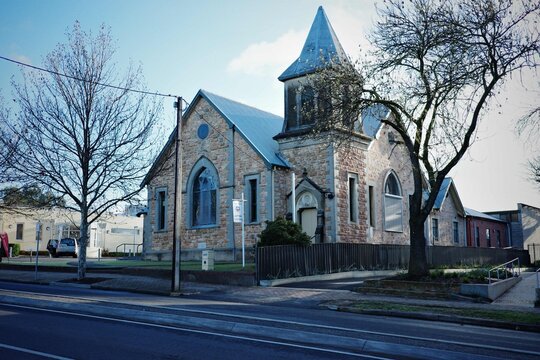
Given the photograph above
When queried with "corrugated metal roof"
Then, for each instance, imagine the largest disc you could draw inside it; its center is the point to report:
(371, 119)
(321, 47)
(478, 214)
(442, 193)
(256, 126)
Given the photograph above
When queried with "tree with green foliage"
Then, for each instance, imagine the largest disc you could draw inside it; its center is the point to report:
(29, 196)
(283, 232)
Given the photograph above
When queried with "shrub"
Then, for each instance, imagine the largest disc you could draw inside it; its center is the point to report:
(16, 249)
(283, 232)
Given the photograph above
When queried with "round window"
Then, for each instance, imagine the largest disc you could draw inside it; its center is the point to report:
(203, 131)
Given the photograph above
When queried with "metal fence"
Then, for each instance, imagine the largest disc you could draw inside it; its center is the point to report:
(276, 262)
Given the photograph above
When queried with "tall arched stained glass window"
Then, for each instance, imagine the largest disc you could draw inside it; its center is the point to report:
(204, 198)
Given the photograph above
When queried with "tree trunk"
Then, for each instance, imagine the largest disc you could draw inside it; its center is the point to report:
(83, 243)
(418, 265)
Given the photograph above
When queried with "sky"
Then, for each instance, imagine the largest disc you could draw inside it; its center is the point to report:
(237, 49)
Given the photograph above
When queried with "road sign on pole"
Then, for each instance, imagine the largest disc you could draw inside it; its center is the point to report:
(237, 211)
(238, 217)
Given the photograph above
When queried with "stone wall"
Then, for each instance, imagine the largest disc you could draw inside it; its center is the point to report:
(350, 161)
(446, 217)
(221, 147)
(383, 157)
(315, 158)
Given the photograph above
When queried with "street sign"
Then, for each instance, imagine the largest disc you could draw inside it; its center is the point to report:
(237, 211)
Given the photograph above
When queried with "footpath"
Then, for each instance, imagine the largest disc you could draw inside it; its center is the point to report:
(519, 299)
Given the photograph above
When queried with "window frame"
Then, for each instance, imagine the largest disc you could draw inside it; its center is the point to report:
(391, 197)
(202, 164)
(488, 237)
(21, 238)
(435, 229)
(161, 208)
(248, 191)
(352, 198)
(455, 231)
(372, 221)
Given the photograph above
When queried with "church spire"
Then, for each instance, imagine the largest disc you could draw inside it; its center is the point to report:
(321, 47)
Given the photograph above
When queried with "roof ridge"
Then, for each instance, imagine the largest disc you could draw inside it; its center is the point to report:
(206, 92)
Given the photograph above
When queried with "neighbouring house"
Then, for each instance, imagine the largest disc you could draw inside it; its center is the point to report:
(447, 218)
(229, 149)
(484, 230)
(524, 227)
(111, 232)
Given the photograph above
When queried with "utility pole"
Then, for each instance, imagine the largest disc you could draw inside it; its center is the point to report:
(177, 241)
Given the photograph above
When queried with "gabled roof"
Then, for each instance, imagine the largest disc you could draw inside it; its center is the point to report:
(256, 126)
(478, 214)
(371, 119)
(321, 47)
(448, 187)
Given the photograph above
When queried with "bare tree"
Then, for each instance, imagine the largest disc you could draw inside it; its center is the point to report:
(437, 66)
(89, 143)
(529, 127)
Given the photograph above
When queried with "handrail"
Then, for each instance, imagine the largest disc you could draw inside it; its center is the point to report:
(512, 269)
(130, 244)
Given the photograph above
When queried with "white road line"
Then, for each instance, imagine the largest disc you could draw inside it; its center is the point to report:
(237, 337)
(33, 352)
(288, 322)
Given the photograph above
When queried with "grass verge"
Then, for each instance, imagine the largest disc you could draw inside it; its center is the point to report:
(487, 314)
(185, 265)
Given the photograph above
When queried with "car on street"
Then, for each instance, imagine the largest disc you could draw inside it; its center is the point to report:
(62, 247)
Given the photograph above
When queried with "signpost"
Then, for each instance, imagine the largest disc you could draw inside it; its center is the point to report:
(238, 217)
(38, 237)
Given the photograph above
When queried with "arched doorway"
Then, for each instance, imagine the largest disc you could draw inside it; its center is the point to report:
(307, 207)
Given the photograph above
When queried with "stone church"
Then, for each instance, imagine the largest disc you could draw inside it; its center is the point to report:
(356, 195)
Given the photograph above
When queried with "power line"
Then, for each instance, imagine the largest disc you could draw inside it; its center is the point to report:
(85, 80)
(131, 90)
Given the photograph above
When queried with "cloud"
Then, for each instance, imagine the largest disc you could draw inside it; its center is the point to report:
(269, 58)
(22, 58)
(351, 24)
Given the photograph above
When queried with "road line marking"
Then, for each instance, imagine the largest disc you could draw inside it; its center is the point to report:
(289, 322)
(238, 337)
(33, 352)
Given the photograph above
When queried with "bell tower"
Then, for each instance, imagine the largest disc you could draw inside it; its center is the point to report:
(321, 48)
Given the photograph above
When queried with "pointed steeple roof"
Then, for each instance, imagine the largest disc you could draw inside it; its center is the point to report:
(321, 47)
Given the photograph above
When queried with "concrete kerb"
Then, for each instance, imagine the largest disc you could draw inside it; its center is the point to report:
(333, 276)
(154, 316)
(463, 320)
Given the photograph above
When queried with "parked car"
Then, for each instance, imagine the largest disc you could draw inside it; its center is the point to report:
(65, 246)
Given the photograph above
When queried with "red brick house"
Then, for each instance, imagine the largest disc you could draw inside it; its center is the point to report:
(484, 230)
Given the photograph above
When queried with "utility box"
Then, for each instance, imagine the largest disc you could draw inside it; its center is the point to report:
(208, 260)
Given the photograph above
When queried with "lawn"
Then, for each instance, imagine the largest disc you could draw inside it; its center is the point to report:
(112, 262)
(488, 314)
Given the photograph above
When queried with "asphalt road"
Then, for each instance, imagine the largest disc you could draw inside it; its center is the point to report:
(131, 326)
(27, 332)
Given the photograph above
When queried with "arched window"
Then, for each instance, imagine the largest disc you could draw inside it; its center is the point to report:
(202, 188)
(204, 197)
(393, 204)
